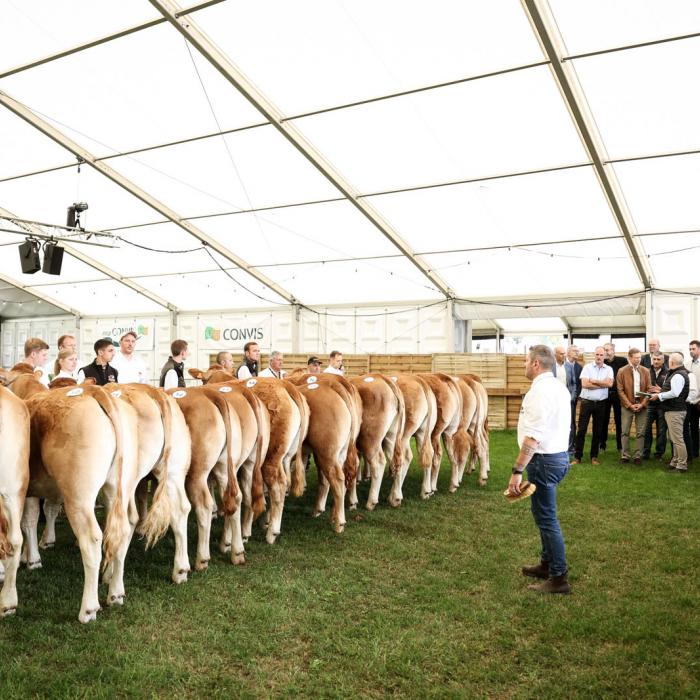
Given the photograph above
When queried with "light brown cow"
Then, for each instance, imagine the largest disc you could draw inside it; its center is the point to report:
(14, 478)
(83, 441)
(448, 400)
(480, 428)
(330, 438)
(460, 446)
(288, 415)
(381, 430)
(421, 415)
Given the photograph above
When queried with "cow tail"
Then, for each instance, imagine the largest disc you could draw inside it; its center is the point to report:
(298, 484)
(230, 495)
(6, 548)
(257, 487)
(427, 451)
(397, 456)
(352, 460)
(117, 526)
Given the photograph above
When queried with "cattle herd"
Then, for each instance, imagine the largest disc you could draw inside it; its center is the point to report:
(153, 455)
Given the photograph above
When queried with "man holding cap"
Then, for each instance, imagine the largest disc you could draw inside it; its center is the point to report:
(313, 365)
(543, 437)
(131, 368)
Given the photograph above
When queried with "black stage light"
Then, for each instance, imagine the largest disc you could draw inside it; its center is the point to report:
(74, 211)
(29, 256)
(53, 258)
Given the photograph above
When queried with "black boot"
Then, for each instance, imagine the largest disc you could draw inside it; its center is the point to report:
(540, 570)
(554, 584)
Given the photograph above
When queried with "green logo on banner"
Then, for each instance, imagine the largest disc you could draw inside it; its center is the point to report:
(208, 333)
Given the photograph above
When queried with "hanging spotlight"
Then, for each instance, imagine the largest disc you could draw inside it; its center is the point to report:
(29, 256)
(53, 258)
(73, 218)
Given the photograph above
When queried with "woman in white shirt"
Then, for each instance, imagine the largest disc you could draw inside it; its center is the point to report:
(65, 365)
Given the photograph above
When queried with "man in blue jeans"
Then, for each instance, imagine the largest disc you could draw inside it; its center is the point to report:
(543, 437)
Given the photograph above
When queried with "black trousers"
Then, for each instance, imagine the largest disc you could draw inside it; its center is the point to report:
(572, 431)
(655, 416)
(595, 409)
(612, 402)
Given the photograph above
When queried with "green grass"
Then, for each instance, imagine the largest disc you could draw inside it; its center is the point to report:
(426, 600)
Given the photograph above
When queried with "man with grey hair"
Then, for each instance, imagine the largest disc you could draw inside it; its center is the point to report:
(673, 395)
(274, 368)
(596, 380)
(543, 438)
(653, 345)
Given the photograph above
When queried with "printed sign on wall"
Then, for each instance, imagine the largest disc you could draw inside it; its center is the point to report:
(233, 332)
(116, 327)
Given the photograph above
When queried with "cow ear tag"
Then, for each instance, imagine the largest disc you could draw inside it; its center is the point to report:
(74, 392)
(179, 394)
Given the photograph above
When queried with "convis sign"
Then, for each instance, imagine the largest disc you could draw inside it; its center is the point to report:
(233, 332)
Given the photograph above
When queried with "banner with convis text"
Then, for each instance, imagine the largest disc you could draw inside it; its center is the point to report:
(233, 332)
(116, 327)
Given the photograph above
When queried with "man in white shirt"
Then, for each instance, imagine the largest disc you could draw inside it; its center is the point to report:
(251, 360)
(543, 437)
(172, 374)
(559, 368)
(131, 368)
(36, 355)
(335, 363)
(596, 379)
(275, 367)
(693, 415)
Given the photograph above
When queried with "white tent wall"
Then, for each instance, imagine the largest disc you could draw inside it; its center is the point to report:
(674, 319)
(13, 334)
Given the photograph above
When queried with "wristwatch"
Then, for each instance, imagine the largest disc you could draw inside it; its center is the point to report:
(517, 471)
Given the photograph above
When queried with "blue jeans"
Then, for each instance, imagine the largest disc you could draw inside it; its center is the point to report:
(546, 471)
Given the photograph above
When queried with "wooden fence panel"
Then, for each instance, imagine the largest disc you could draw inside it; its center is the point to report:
(400, 364)
(490, 368)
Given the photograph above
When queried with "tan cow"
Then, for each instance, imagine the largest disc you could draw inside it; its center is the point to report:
(288, 415)
(479, 429)
(421, 415)
(14, 478)
(83, 441)
(330, 438)
(381, 430)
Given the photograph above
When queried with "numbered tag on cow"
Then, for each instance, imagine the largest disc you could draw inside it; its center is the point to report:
(312, 386)
(369, 379)
(225, 389)
(117, 393)
(250, 383)
(74, 392)
(394, 379)
(179, 394)
(311, 380)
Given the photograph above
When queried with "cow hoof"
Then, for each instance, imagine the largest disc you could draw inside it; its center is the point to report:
(238, 559)
(425, 495)
(47, 545)
(371, 505)
(482, 482)
(245, 539)
(316, 513)
(88, 616)
(202, 565)
(339, 528)
(116, 599)
(395, 502)
(180, 576)
(352, 506)
(6, 612)
(31, 565)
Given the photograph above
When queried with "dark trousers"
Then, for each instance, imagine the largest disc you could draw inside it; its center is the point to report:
(572, 430)
(655, 416)
(596, 409)
(613, 402)
(692, 417)
(690, 446)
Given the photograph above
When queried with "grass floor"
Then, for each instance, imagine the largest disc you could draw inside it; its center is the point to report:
(423, 601)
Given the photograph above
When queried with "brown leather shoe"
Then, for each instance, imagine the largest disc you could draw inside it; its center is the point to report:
(575, 460)
(595, 462)
(637, 461)
(540, 570)
(554, 584)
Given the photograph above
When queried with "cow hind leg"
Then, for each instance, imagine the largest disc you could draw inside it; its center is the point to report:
(277, 494)
(30, 521)
(234, 529)
(376, 463)
(51, 512)
(200, 498)
(10, 564)
(337, 485)
(321, 493)
(81, 517)
(113, 574)
(179, 510)
(396, 493)
(245, 481)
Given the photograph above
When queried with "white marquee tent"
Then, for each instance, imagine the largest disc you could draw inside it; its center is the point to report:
(505, 158)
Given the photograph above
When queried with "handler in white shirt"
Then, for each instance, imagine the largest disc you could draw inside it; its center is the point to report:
(335, 363)
(275, 367)
(543, 437)
(131, 368)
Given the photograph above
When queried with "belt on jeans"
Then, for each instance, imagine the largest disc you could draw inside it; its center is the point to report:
(593, 400)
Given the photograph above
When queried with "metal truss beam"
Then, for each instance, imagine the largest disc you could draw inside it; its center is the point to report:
(187, 27)
(547, 32)
(59, 137)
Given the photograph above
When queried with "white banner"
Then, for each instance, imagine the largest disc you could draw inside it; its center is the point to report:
(233, 332)
(116, 327)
